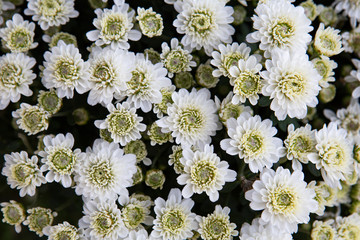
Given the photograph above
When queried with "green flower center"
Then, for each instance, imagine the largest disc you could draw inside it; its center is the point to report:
(191, 120)
(62, 160)
(201, 22)
(216, 227)
(10, 75)
(133, 215)
(252, 143)
(327, 42)
(176, 61)
(121, 122)
(65, 234)
(113, 27)
(66, 71)
(292, 85)
(50, 102)
(151, 23)
(282, 31)
(282, 200)
(173, 221)
(101, 174)
(104, 223)
(247, 84)
(357, 153)
(136, 147)
(324, 233)
(13, 215)
(20, 39)
(230, 111)
(103, 74)
(333, 154)
(139, 82)
(50, 8)
(232, 59)
(166, 99)
(34, 120)
(22, 172)
(203, 173)
(301, 144)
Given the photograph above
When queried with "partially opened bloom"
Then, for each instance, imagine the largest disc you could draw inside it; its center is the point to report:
(31, 119)
(123, 123)
(23, 172)
(59, 159)
(151, 23)
(325, 68)
(174, 219)
(321, 230)
(106, 171)
(18, 35)
(192, 117)
(280, 25)
(114, 26)
(63, 231)
(102, 220)
(291, 82)
(348, 227)
(13, 214)
(327, 41)
(38, 218)
(49, 13)
(143, 89)
(205, 23)
(253, 140)
(204, 172)
(65, 70)
(15, 77)
(284, 198)
(217, 225)
(334, 156)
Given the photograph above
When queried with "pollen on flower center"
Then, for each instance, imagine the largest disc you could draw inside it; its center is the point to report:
(282, 30)
(101, 174)
(204, 173)
(201, 22)
(121, 122)
(112, 27)
(173, 221)
(292, 85)
(62, 160)
(247, 83)
(190, 120)
(282, 200)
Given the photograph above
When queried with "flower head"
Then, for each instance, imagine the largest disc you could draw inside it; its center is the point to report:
(151, 23)
(31, 119)
(63, 231)
(327, 41)
(13, 214)
(23, 172)
(38, 219)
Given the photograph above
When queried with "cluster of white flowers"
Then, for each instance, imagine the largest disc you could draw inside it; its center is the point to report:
(223, 128)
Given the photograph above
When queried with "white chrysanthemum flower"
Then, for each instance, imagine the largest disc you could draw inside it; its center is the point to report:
(59, 159)
(347, 118)
(327, 41)
(217, 225)
(253, 140)
(65, 70)
(122, 122)
(299, 143)
(228, 56)
(18, 35)
(325, 67)
(323, 230)
(49, 13)
(13, 214)
(15, 77)
(350, 41)
(174, 219)
(280, 25)
(109, 72)
(31, 119)
(284, 198)
(192, 117)
(205, 23)
(102, 220)
(348, 228)
(175, 58)
(135, 212)
(204, 172)
(150, 22)
(229, 110)
(22, 172)
(351, 8)
(38, 218)
(355, 77)
(143, 89)
(246, 80)
(334, 154)
(106, 172)
(4, 6)
(257, 231)
(114, 26)
(292, 82)
(63, 231)
(161, 108)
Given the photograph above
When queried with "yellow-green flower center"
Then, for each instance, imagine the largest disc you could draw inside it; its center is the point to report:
(133, 215)
(201, 22)
(20, 39)
(10, 75)
(282, 31)
(252, 143)
(292, 85)
(121, 122)
(139, 82)
(66, 71)
(104, 223)
(62, 160)
(22, 172)
(247, 84)
(282, 200)
(101, 174)
(114, 27)
(190, 120)
(173, 221)
(50, 8)
(203, 173)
